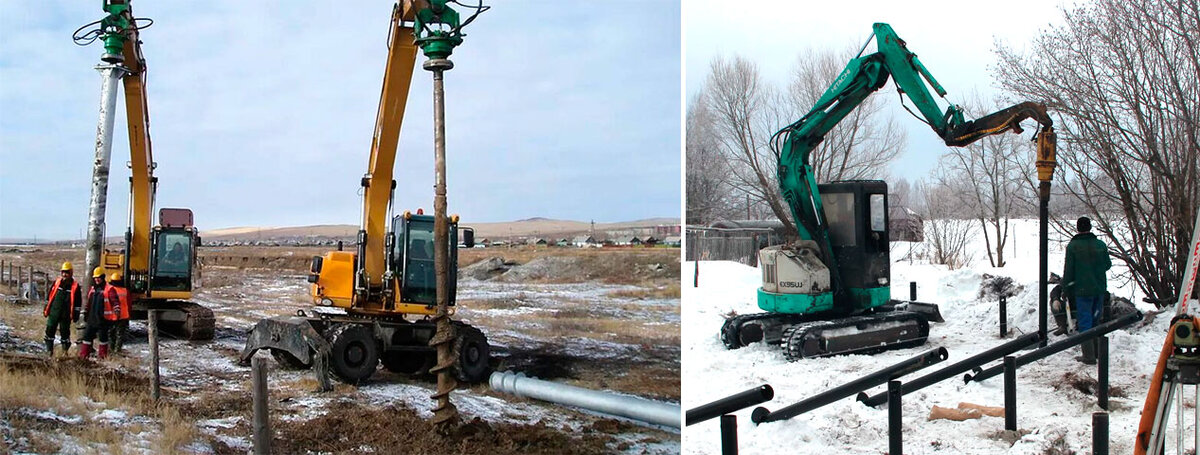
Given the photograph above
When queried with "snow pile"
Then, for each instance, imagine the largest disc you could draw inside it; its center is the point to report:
(1052, 412)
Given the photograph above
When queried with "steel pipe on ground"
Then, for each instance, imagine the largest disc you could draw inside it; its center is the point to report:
(651, 411)
(958, 368)
(902, 368)
(730, 404)
(1060, 345)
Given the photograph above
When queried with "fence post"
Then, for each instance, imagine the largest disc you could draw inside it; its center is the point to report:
(1003, 316)
(262, 423)
(1100, 433)
(912, 291)
(696, 275)
(1102, 373)
(1010, 393)
(895, 428)
(152, 322)
(729, 445)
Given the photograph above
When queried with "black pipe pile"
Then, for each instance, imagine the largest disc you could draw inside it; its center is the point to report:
(1060, 345)
(902, 368)
(958, 368)
(730, 404)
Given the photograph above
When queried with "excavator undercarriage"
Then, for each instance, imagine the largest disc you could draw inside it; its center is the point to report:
(354, 346)
(806, 335)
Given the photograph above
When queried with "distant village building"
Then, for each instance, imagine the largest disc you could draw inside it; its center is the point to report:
(672, 241)
(628, 241)
(583, 241)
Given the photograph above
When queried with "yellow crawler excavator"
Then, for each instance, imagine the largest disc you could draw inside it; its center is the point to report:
(159, 261)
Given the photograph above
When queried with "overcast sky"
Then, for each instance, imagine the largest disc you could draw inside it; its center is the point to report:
(262, 113)
(955, 41)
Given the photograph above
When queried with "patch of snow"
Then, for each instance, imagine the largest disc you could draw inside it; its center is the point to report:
(1057, 414)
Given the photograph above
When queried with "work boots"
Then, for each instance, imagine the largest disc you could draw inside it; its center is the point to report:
(66, 347)
(1089, 352)
(85, 350)
(102, 353)
(49, 346)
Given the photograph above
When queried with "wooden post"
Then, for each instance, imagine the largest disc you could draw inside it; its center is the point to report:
(262, 423)
(152, 322)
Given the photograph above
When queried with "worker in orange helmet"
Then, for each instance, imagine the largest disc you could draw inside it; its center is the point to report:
(100, 311)
(62, 308)
(116, 336)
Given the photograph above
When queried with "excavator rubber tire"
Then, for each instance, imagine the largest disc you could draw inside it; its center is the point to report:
(354, 353)
(409, 362)
(473, 353)
(288, 361)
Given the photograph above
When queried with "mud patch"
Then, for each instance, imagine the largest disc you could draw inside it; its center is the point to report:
(353, 428)
(1087, 385)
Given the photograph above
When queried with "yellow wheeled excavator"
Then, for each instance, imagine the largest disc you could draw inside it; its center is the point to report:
(377, 304)
(157, 261)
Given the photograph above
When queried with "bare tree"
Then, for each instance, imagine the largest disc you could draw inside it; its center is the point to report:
(947, 235)
(746, 112)
(865, 142)
(741, 106)
(707, 189)
(1122, 75)
(989, 182)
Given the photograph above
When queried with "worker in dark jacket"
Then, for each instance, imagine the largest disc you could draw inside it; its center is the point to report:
(62, 308)
(100, 311)
(1084, 280)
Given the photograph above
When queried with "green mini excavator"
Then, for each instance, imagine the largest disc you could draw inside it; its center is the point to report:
(829, 293)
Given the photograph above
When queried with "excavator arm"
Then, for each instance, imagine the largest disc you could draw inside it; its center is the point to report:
(862, 77)
(142, 182)
(373, 271)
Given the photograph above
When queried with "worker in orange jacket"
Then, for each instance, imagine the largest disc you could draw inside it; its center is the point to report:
(62, 308)
(100, 311)
(116, 336)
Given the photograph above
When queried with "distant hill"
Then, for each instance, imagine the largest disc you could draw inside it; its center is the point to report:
(532, 227)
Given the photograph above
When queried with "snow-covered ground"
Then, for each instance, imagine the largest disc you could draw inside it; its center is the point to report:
(1053, 413)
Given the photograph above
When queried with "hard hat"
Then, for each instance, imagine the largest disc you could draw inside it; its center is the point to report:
(66, 267)
(98, 272)
(116, 276)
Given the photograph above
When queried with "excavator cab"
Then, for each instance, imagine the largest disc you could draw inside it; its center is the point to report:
(173, 246)
(413, 256)
(858, 231)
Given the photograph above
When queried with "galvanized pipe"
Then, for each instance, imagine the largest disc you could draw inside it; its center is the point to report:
(655, 412)
(1060, 345)
(902, 368)
(956, 369)
(730, 404)
(109, 75)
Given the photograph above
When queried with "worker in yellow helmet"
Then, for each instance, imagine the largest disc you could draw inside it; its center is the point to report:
(62, 308)
(100, 312)
(119, 328)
